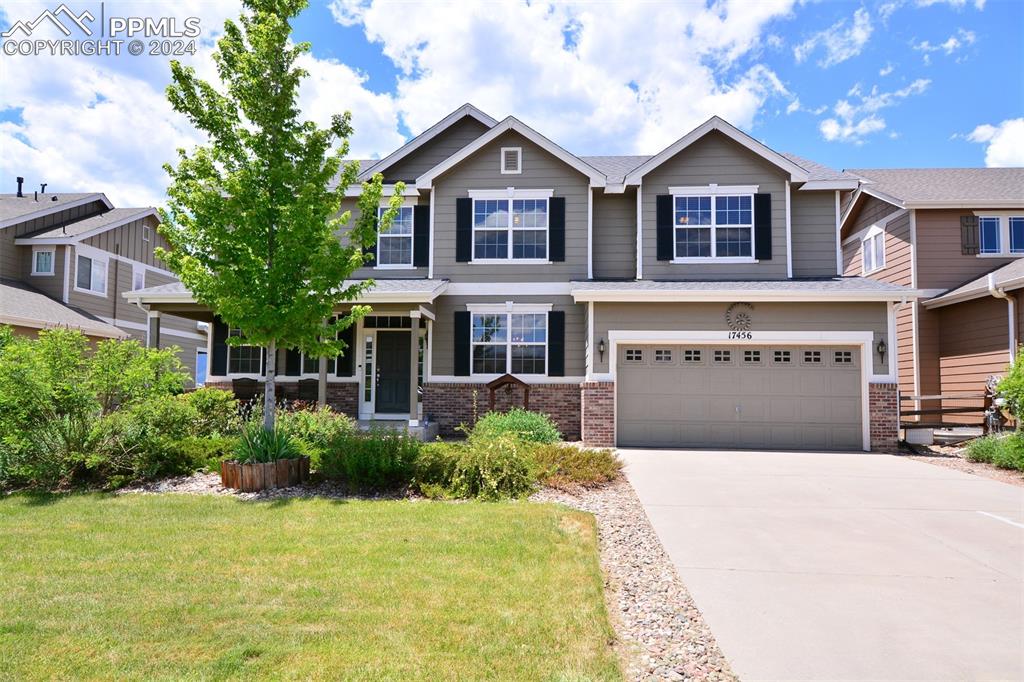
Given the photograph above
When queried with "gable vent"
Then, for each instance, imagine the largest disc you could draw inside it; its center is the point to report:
(511, 160)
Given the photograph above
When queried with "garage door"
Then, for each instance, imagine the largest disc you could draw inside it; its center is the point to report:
(761, 397)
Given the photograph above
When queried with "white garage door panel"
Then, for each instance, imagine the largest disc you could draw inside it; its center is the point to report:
(765, 399)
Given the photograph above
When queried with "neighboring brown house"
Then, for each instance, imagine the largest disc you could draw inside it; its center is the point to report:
(67, 259)
(957, 236)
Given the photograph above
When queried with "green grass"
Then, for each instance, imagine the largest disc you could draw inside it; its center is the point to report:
(172, 587)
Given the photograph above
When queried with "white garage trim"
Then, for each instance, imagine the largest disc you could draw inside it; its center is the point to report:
(825, 338)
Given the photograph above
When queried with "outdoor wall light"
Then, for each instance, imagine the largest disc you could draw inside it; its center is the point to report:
(881, 348)
(601, 349)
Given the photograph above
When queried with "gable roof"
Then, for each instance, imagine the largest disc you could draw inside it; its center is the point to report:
(1008, 277)
(597, 178)
(367, 169)
(796, 172)
(24, 306)
(81, 229)
(945, 187)
(15, 209)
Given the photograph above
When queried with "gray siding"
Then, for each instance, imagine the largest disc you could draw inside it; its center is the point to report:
(898, 254)
(52, 286)
(715, 159)
(767, 317)
(615, 235)
(541, 170)
(813, 226)
(457, 136)
(10, 258)
(443, 344)
(367, 273)
(128, 241)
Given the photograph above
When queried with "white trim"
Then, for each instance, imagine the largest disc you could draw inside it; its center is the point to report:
(913, 248)
(386, 191)
(430, 254)
(917, 348)
(713, 228)
(426, 136)
(639, 232)
(509, 261)
(731, 295)
(95, 262)
(136, 271)
(426, 180)
(34, 323)
(67, 273)
(590, 339)
(713, 189)
(890, 332)
(508, 311)
(139, 326)
(1005, 242)
(52, 250)
(829, 338)
(370, 296)
(509, 289)
(789, 232)
(868, 240)
(519, 161)
(862, 190)
(881, 223)
(147, 233)
(387, 235)
(590, 233)
(796, 173)
(994, 205)
(510, 193)
(48, 207)
(532, 379)
(839, 243)
(507, 307)
(837, 185)
(716, 259)
(145, 213)
(200, 350)
(102, 253)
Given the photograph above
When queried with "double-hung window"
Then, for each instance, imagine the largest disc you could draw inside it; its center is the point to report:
(509, 343)
(1000, 235)
(512, 229)
(244, 359)
(42, 261)
(1016, 234)
(91, 275)
(714, 226)
(394, 246)
(990, 241)
(873, 251)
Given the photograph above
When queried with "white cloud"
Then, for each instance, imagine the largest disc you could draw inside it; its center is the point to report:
(1005, 142)
(886, 10)
(886, 70)
(956, 4)
(853, 121)
(775, 41)
(839, 41)
(962, 38)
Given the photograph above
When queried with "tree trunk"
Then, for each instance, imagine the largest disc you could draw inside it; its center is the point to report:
(269, 393)
(321, 384)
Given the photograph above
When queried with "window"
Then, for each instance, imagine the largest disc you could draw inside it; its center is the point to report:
(509, 343)
(1017, 235)
(843, 357)
(244, 359)
(751, 356)
(145, 232)
(394, 247)
(91, 275)
(692, 355)
(368, 369)
(138, 279)
(873, 252)
(812, 357)
(722, 356)
(782, 357)
(714, 226)
(989, 227)
(311, 365)
(510, 229)
(42, 261)
(511, 160)
(634, 355)
(662, 355)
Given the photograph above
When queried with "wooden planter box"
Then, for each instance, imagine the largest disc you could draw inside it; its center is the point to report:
(251, 478)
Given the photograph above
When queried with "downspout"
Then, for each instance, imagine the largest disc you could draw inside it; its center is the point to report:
(1010, 308)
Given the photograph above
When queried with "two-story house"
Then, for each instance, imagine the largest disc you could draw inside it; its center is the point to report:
(957, 236)
(67, 259)
(689, 299)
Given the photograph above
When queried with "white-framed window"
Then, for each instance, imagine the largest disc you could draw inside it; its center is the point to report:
(722, 356)
(509, 343)
(394, 247)
(43, 260)
(990, 237)
(138, 278)
(244, 359)
(873, 251)
(91, 275)
(1000, 234)
(510, 229)
(1016, 234)
(146, 231)
(311, 365)
(714, 226)
(511, 160)
(663, 355)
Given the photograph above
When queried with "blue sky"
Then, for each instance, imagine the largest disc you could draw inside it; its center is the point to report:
(895, 83)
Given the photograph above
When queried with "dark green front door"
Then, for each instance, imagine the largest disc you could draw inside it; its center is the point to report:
(392, 372)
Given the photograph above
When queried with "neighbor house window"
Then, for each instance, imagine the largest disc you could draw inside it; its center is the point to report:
(510, 229)
(989, 227)
(91, 275)
(244, 359)
(720, 226)
(138, 279)
(509, 343)
(1017, 235)
(42, 261)
(873, 252)
(394, 247)
(146, 229)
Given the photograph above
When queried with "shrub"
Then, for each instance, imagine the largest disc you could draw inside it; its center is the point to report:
(121, 372)
(533, 427)
(484, 468)
(218, 411)
(435, 467)
(1005, 452)
(983, 449)
(565, 466)
(319, 428)
(380, 459)
(260, 445)
(1011, 387)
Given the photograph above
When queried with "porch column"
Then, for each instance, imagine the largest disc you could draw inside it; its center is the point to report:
(414, 358)
(321, 382)
(153, 331)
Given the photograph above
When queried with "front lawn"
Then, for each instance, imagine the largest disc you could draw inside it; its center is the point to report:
(176, 586)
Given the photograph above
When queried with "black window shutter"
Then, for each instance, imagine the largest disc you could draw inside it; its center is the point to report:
(293, 362)
(763, 226)
(346, 362)
(556, 343)
(421, 236)
(463, 230)
(663, 203)
(461, 344)
(219, 361)
(969, 236)
(556, 229)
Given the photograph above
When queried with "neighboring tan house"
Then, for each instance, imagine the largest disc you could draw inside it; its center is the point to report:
(956, 235)
(687, 299)
(67, 259)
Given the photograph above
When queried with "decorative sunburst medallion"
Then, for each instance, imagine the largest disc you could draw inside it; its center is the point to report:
(740, 317)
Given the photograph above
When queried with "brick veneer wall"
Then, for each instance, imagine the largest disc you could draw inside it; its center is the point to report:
(453, 404)
(598, 413)
(884, 411)
(341, 396)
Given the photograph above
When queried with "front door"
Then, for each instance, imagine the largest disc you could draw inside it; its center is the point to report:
(392, 372)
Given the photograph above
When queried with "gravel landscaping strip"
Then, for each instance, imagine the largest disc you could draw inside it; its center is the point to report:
(952, 457)
(209, 484)
(663, 633)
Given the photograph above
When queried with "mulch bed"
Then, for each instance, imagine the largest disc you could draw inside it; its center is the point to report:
(952, 457)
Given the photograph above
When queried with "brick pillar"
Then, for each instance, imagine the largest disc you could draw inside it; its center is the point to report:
(884, 412)
(597, 401)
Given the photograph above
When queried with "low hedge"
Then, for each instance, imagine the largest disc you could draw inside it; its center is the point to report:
(1003, 451)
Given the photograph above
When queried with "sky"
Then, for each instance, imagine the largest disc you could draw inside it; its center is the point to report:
(889, 83)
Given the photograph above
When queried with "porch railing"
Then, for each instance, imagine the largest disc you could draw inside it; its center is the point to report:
(945, 411)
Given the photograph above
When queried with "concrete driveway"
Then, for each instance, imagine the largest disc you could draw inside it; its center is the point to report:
(829, 566)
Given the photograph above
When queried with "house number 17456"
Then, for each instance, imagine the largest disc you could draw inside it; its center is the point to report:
(746, 336)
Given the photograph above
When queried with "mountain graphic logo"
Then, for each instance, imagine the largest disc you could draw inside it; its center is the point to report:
(27, 27)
